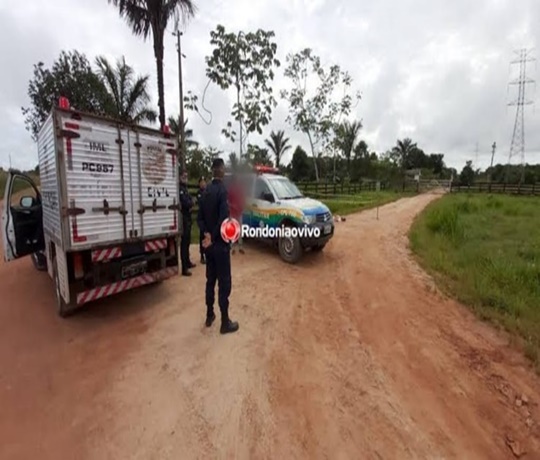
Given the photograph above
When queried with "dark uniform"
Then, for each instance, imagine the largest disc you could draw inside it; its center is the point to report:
(186, 202)
(213, 211)
(201, 233)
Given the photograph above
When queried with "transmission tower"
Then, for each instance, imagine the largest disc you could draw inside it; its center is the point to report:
(518, 137)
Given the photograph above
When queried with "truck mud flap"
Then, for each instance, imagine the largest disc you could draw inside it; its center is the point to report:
(125, 285)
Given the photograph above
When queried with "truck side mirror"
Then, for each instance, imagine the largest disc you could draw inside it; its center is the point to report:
(27, 202)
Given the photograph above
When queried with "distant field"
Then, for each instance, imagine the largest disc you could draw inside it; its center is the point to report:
(485, 250)
(19, 185)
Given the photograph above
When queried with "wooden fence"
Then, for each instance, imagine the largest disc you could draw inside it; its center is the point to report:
(508, 189)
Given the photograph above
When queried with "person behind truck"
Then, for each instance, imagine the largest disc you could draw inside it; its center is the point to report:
(213, 211)
(236, 206)
(202, 186)
(186, 202)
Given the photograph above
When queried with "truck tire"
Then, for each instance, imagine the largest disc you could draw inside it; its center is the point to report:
(62, 308)
(40, 261)
(290, 249)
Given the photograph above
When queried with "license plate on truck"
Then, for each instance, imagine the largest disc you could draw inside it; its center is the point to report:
(134, 268)
(327, 229)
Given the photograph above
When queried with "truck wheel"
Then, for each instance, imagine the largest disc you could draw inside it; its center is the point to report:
(40, 261)
(290, 249)
(61, 307)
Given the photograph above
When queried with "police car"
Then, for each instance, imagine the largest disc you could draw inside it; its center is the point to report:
(272, 201)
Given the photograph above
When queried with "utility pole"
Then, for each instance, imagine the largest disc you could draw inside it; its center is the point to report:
(476, 156)
(181, 92)
(518, 137)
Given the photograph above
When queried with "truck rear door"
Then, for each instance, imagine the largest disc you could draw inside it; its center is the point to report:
(154, 177)
(94, 159)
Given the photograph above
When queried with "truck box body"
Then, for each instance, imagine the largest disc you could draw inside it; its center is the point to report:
(115, 183)
(107, 217)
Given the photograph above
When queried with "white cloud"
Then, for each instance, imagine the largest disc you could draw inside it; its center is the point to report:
(434, 70)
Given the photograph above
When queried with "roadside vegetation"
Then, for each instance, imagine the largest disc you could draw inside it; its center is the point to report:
(485, 251)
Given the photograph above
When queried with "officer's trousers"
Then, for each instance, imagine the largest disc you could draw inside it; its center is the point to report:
(201, 238)
(218, 268)
(184, 244)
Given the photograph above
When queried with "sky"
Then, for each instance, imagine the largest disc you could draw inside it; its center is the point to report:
(433, 70)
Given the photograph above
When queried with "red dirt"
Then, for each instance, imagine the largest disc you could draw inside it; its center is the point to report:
(351, 354)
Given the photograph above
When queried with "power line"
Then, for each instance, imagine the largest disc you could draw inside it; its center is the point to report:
(517, 146)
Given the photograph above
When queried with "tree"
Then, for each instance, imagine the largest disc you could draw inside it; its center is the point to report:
(174, 125)
(127, 94)
(147, 17)
(467, 174)
(71, 76)
(299, 165)
(315, 108)
(245, 61)
(258, 155)
(402, 152)
(278, 144)
(347, 134)
(233, 161)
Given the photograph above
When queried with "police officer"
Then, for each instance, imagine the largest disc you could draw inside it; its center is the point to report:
(202, 186)
(213, 211)
(186, 202)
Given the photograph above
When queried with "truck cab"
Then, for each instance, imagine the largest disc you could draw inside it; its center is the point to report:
(273, 200)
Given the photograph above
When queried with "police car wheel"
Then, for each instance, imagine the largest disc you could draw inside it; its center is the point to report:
(290, 249)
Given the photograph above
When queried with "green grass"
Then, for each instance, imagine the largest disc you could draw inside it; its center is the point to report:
(485, 251)
(19, 184)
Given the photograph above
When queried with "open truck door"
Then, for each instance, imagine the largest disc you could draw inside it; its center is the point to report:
(22, 218)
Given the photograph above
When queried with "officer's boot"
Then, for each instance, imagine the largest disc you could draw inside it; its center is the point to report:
(210, 316)
(227, 326)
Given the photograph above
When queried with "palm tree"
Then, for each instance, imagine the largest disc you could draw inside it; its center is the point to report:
(402, 151)
(279, 144)
(174, 125)
(152, 16)
(126, 96)
(346, 136)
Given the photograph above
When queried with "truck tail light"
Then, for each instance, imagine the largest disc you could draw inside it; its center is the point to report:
(172, 247)
(78, 269)
(63, 103)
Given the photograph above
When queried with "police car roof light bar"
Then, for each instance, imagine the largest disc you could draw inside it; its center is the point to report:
(261, 169)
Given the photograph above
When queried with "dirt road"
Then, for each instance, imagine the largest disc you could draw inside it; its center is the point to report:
(351, 354)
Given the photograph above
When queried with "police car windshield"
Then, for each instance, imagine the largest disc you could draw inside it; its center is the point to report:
(285, 189)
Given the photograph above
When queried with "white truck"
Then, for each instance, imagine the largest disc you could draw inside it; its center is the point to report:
(105, 218)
